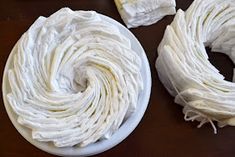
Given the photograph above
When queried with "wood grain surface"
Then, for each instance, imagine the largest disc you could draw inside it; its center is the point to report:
(162, 131)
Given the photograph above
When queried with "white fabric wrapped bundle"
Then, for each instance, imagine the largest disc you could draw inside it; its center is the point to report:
(144, 12)
(75, 78)
(183, 65)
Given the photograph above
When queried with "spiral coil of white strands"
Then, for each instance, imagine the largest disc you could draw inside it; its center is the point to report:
(183, 65)
(74, 78)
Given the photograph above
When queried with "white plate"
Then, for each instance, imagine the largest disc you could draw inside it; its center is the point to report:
(126, 128)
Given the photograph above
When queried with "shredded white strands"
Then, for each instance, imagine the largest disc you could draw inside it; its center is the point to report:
(183, 66)
(75, 78)
(191, 115)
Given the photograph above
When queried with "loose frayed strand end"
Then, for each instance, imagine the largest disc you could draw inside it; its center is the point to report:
(191, 115)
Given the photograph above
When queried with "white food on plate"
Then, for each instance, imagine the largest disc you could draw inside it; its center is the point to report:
(74, 79)
(183, 65)
(144, 12)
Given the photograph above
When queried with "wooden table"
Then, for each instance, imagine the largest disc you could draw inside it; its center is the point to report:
(162, 132)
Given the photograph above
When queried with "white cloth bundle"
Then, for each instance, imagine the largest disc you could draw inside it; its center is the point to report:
(144, 12)
(183, 65)
(75, 78)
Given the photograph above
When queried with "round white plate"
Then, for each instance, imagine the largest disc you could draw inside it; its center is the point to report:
(126, 128)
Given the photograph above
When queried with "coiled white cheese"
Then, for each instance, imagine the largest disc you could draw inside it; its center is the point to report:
(183, 64)
(74, 79)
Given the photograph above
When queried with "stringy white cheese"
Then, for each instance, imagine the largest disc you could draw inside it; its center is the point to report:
(144, 12)
(74, 79)
(183, 65)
